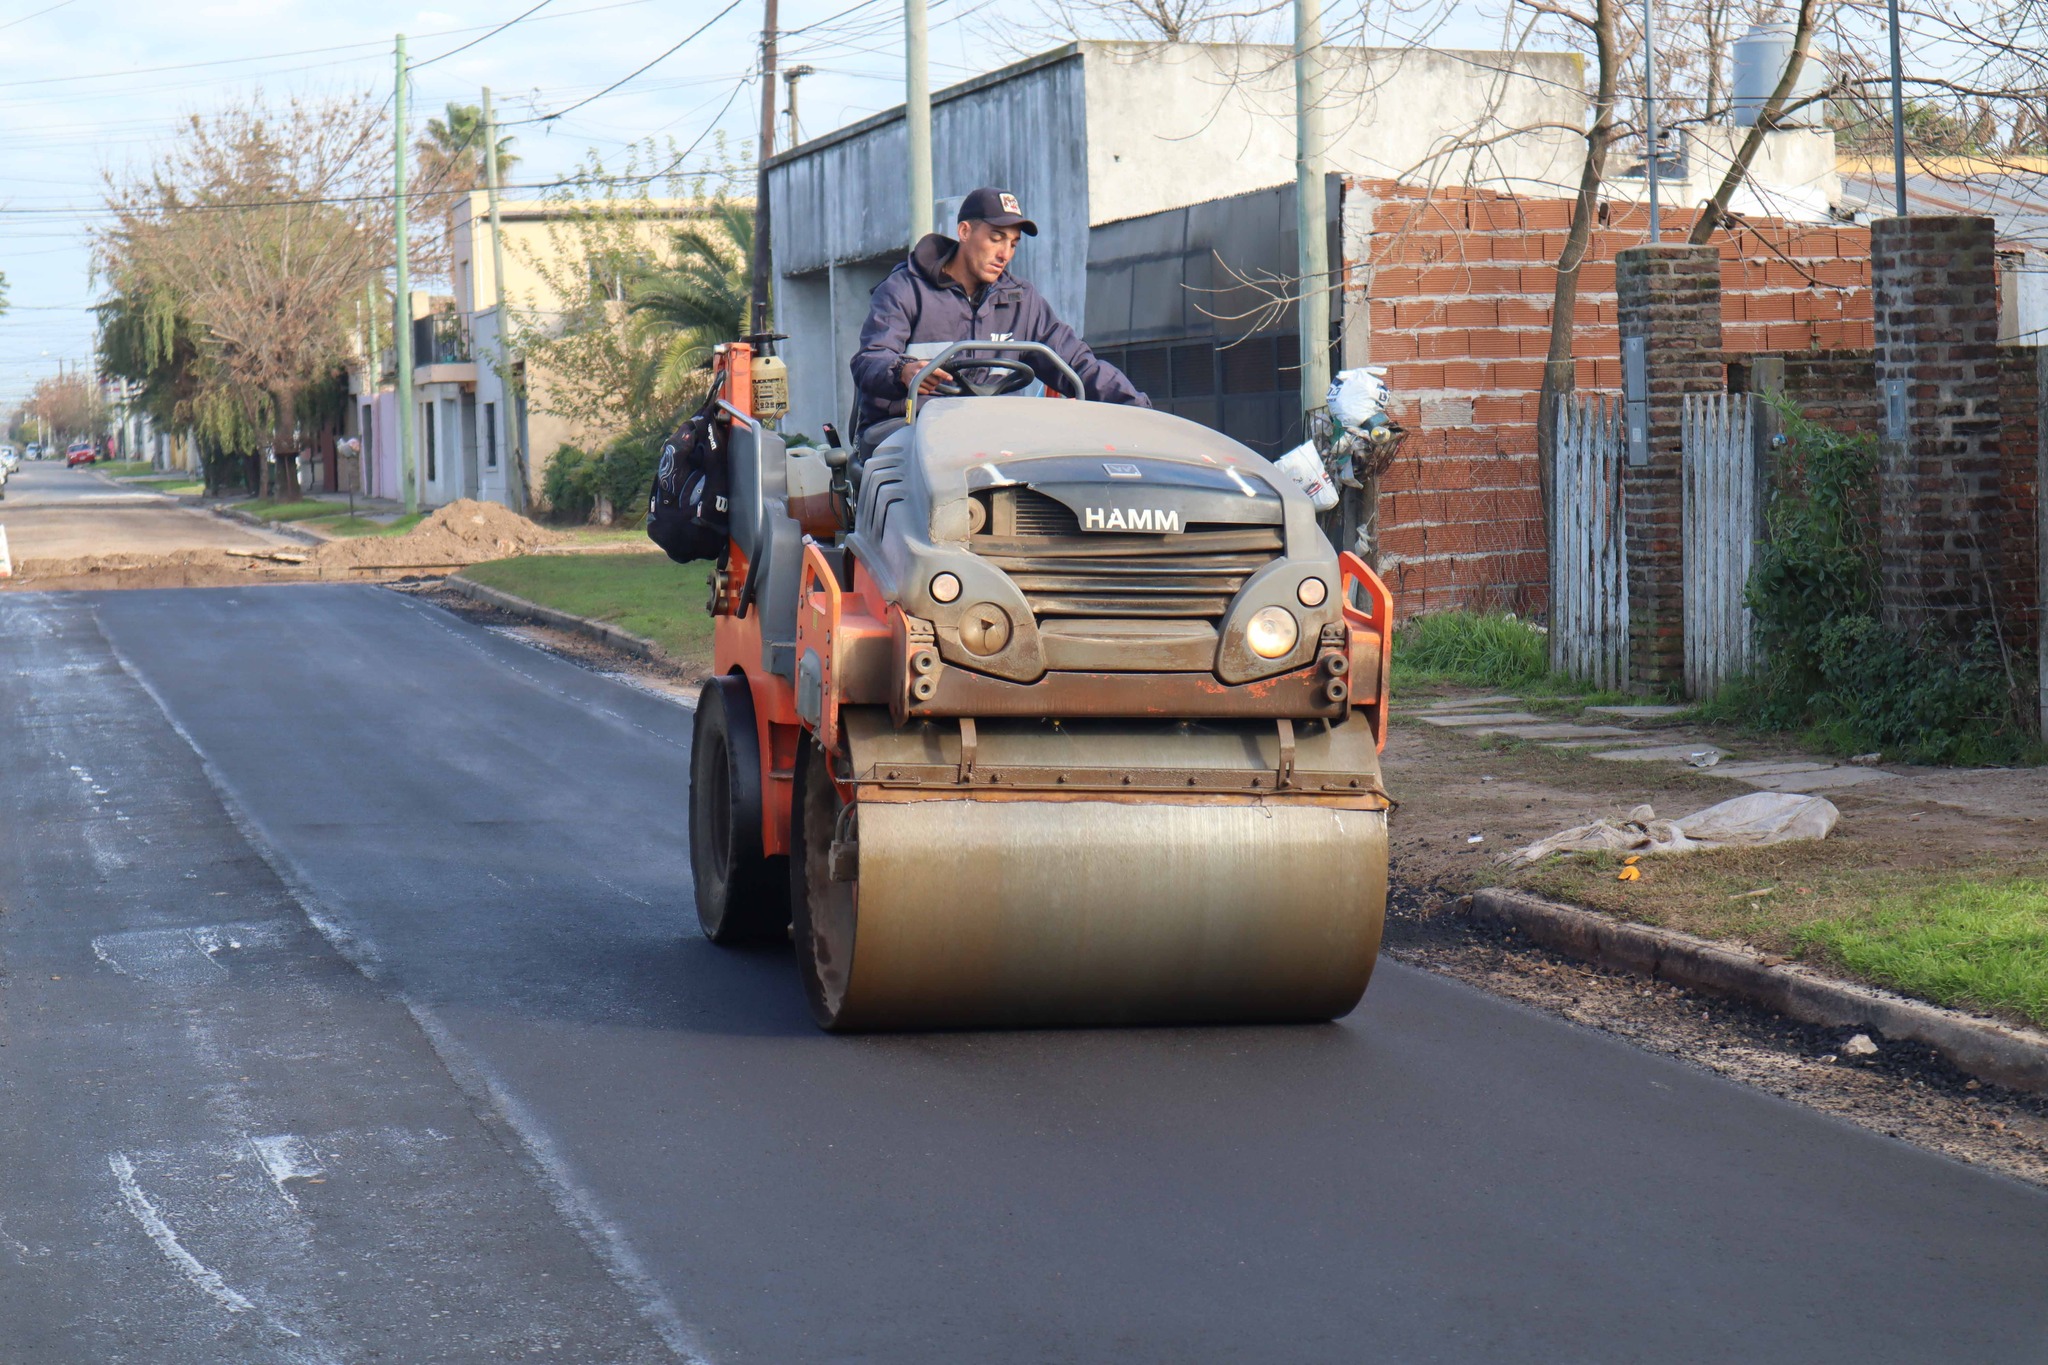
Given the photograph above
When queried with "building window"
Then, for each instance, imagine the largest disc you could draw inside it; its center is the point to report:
(490, 435)
(427, 429)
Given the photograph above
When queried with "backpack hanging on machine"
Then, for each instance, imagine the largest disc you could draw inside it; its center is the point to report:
(687, 512)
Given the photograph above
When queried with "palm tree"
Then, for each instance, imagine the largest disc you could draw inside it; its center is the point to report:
(698, 299)
(450, 156)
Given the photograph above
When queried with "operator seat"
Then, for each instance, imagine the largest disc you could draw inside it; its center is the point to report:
(772, 540)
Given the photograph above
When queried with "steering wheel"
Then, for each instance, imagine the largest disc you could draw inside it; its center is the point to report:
(1009, 377)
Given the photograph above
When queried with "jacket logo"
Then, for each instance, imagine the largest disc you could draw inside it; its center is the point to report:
(1136, 519)
(1002, 336)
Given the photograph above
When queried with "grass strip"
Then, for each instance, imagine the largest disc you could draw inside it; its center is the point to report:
(1960, 941)
(348, 526)
(648, 595)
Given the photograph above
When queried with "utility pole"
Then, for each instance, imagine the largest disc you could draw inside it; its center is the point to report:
(509, 412)
(1898, 117)
(1650, 107)
(1311, 209)
(767, 149)
(402, 304)
(917, 118)
(790, 77)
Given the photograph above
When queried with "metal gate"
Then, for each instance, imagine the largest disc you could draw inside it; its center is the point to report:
(1588, 554)
(1718, 457)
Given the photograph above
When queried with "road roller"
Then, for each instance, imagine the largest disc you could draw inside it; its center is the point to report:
(1037, 711)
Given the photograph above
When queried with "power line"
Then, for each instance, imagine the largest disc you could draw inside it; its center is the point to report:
(38, 14)
(299, 52)
(415, 66)
(549, 118)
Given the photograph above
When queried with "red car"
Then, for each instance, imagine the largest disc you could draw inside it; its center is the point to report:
(80, 453)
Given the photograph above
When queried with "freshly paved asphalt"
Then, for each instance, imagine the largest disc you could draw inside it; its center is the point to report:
(50, 512)
(471, 1087)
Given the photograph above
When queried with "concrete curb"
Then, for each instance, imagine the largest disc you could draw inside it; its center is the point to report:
(639, 646)
(1985, 1048)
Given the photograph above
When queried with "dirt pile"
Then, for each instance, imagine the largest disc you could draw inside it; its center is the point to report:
(463, 532)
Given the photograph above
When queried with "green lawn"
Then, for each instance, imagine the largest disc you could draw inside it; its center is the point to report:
(647, 594)
(121, 469)
(302, 510)
(1960, 941)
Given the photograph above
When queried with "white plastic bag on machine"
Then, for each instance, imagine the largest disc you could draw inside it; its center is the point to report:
(1357, 396)
(1304, 465)
(1759, 818)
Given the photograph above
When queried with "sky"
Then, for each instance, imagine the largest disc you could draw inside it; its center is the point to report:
(92, 87)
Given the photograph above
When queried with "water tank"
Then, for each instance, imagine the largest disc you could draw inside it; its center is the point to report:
(1761, 56)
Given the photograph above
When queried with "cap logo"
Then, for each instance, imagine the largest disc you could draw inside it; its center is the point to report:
(1009, 203)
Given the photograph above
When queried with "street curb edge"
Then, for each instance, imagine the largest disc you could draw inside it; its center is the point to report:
(1985, 1048)
(639, 646)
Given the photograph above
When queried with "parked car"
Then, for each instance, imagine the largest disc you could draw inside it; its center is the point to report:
(8, 459)
(35, 450)
(80, 453)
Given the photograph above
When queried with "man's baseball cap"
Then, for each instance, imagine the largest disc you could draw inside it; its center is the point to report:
(997, 208)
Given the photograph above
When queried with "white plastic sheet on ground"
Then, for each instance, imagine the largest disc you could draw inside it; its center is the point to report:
(1759, 818)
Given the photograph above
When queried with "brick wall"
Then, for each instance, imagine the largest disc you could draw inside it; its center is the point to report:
(1669, 295)
(2019, 412)
(1939, 523)
(1454, 288)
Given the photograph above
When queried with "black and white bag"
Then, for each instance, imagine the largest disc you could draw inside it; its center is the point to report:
(687, 510)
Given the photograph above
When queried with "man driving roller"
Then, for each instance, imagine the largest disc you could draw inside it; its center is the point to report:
(963, 290)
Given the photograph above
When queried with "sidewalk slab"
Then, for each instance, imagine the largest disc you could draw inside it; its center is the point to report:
(1469, 703)
(1670, 753)
(1821, 781)
(1463, 721)
(1554, 730)
(1769, 768)
(1638, 712)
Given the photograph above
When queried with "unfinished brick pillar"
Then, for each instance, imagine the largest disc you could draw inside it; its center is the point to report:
(1935, 282)
(1670, 296)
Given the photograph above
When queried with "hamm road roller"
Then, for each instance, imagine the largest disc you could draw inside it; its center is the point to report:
(1039, 712)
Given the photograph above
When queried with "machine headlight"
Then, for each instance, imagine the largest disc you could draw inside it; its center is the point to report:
(1271, 632)
(945, 587)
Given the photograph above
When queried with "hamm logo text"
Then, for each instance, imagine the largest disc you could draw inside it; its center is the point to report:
(1136, 519)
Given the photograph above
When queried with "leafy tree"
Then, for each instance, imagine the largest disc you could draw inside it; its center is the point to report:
(259, 229)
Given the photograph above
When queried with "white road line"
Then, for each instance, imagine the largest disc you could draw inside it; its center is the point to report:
(207, 1281)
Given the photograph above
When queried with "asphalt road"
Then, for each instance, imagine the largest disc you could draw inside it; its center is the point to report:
(353, 1010)
(50, 512)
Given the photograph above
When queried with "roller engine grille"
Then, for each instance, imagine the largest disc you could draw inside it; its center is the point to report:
(1061, 571)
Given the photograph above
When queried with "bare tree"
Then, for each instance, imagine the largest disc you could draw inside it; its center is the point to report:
(262, 226)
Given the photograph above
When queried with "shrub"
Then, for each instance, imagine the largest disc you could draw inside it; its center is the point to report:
(621, 472)
(1830, 668)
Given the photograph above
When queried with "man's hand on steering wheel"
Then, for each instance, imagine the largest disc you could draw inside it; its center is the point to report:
(986, 377)
(929, 384)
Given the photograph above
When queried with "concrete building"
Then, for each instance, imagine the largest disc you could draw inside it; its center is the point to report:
(473, 426)
(1099, 133)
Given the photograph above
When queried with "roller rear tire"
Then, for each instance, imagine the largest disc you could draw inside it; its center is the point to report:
(742, 896)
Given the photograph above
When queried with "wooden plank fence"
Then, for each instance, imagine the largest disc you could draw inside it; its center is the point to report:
(1718, 458)
(1588, 553)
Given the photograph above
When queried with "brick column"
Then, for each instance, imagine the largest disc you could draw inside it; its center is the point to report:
(1936, 301)
(1670, 295)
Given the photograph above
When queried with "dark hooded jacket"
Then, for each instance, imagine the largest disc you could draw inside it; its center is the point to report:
(918, 301)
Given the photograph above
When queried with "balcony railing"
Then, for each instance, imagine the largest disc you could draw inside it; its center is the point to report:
(440, 339)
